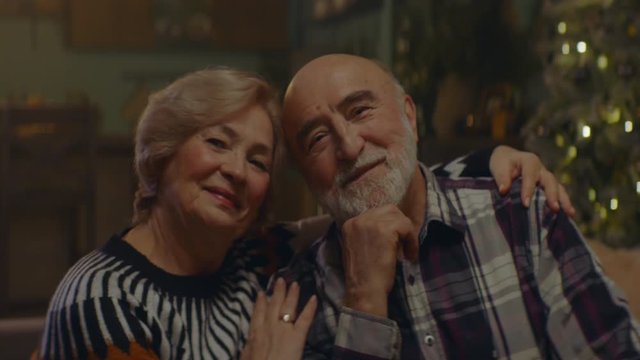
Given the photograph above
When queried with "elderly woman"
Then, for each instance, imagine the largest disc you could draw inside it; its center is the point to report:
(182, 281)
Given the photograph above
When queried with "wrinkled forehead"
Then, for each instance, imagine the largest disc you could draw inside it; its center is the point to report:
(326, 86)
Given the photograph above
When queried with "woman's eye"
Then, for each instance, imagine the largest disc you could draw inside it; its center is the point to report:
(259, 164)
(217, 143)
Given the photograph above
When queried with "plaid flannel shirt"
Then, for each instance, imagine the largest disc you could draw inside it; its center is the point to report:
(494, 280)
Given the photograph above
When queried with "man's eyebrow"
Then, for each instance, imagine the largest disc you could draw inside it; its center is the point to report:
(306, 129)
(354, 97)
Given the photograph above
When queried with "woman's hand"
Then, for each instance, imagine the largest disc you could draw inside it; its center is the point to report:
(507, 163)
(275, 332)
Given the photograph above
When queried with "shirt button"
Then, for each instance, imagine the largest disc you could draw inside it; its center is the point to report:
(429, 340)
(412, 279)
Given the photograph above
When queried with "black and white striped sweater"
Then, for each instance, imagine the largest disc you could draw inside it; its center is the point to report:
(114, 302)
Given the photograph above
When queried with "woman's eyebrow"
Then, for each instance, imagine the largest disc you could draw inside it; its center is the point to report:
(261, 148)
(227, 130)
(258, 147)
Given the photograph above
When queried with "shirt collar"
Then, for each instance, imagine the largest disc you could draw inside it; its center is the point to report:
(440, 207)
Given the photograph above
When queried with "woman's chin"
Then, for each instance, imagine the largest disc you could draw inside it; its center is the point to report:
(219, 219)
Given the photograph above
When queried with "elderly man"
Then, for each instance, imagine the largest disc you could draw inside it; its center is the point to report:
(417, 266)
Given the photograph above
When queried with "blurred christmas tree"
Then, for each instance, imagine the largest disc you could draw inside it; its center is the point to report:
(587, 130)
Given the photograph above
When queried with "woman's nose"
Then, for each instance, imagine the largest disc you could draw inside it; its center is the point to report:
(234, 168)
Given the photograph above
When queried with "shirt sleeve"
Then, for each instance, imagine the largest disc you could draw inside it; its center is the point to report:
(588, 317)
(357, 335)
(364, 336)
(98, 328)
(474, 165)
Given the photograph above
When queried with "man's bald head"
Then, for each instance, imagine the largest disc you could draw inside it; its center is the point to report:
(331, 77)
(333, 66)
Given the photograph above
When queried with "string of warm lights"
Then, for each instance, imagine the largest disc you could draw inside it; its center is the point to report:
(587, 129)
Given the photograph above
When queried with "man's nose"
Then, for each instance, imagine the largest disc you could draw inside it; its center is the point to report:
(349, 142)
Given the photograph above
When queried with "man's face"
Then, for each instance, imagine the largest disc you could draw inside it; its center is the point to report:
(351, 134)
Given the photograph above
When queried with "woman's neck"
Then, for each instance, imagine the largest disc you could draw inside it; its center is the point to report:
(178, 247)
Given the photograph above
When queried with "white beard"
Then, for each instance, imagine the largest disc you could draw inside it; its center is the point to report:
(346, 201)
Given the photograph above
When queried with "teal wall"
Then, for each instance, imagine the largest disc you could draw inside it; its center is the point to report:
(35, 59)
(367, 33)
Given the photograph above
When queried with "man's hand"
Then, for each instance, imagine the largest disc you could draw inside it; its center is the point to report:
(508, 163)
(371, 245)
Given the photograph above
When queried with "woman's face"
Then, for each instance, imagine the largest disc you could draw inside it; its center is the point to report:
(220, 175)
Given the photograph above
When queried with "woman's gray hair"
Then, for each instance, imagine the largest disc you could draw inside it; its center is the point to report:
(191, 103)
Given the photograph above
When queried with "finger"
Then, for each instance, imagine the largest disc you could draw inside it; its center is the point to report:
(306, 316)
(257, 318)
(273, 312)
(530, 177)
(246, 353)
(291, 300)
(505, 166)
(410, 246)
(256, 329)
(551, 189)
(565, 201)
(503, 172)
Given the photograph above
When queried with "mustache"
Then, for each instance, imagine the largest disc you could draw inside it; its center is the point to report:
(350, 170)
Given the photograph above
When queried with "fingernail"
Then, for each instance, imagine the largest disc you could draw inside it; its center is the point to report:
(502, 188)
(526, 202)
(556, 205)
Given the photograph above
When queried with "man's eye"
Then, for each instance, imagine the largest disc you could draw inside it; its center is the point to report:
(359, 111)
(217, 143)
(315, 139)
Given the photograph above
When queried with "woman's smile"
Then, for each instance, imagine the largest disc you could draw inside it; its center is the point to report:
(226, 198)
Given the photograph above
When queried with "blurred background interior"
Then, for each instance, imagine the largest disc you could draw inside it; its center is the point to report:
(558, 77)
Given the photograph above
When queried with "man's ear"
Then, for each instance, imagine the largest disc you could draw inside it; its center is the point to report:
(410, 112)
